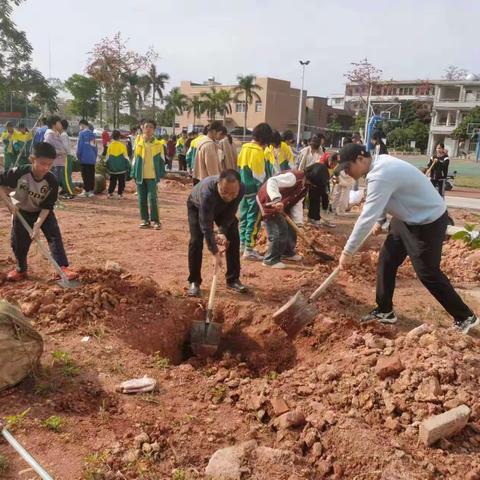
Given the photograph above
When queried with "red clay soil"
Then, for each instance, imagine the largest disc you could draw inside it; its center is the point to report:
(351, 423)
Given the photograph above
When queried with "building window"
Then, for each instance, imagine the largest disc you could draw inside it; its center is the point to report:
(258, 106)
(240, 107)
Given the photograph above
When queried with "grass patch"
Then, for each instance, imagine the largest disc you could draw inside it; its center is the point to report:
(4, 465)
(179, 474)
(53, 423)
(467, 181)
(94, 465)
(15, 421)
(219, 393)
(160, 362)
(69, 367)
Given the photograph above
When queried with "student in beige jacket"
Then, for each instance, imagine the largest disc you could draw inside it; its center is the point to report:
(207, 161)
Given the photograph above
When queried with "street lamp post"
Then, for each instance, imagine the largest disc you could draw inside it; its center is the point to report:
(300, 104)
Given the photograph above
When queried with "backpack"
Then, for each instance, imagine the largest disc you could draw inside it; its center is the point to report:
(21, 346)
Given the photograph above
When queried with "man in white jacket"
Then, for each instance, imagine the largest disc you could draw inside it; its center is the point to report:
(417, 229)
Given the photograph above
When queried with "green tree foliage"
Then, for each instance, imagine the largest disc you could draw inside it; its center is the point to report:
(19, 81)
(176, 104)
(461, 132)
(85, 95)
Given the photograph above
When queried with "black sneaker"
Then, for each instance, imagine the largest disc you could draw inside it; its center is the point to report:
(465, 325)
(237, 286)
(194, 290)
(377, 315)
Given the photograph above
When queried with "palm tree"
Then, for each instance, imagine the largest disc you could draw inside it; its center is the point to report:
(210, 102)
(245, 91)
(196, 106)
(224, 103)
(154, 83)
(176, 102)
(134, 93)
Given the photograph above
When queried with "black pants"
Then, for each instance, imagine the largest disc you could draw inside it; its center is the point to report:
(440, 186)
(113, 183)
(182, 162)
(423, 244)
(195, 248)
(316, 197)
(88, 177)
(21, 240)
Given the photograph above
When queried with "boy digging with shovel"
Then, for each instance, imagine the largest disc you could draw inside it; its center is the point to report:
(35, 193)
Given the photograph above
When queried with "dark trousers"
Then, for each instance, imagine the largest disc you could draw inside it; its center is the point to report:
(88, 177)
(195, 248)
(113, 183)
(182, 162)
(440, 186)
(423, 244)
(282, 239)
(316, 198)
(21, 240)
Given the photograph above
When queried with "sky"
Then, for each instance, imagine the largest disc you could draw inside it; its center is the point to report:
(406, 39)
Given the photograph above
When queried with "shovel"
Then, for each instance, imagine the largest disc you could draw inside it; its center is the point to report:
(300, 311)
(322, 255)
(42, 473)
(205, 336)
(64, 281)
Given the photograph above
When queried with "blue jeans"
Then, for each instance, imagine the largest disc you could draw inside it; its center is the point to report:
(282, 239)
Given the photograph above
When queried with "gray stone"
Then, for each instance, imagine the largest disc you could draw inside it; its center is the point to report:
(226, 463)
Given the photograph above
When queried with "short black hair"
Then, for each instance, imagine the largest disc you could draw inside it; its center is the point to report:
(52, 120)
(44, 150)
(9, 125)
(262, 133)
(318, 175)
(377, 135)
(276, 138)
(64, 124)
(224, 130)
(205, 129)
(288, 135)
(83, 122)
(230, 139)
(216, 125)
(230, 175)
(116, 135)
(43, 120)
(21, 125)
(150, 121)
(440, 144)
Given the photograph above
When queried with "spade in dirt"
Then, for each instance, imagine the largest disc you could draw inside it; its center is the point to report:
(205, 335)
(300, 311)
(64, 281)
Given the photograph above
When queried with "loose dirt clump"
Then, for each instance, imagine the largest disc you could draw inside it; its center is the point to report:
(460, 262)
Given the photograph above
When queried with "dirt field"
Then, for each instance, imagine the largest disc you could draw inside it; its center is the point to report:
(348, 422)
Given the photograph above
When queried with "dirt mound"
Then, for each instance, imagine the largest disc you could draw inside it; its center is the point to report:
(144, 316)
(460, 263)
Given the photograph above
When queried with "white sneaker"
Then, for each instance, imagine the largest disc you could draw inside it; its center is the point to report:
(278, 265)
(327, 224)
(251, 254)
(84, 194)
(90, 194)
(293, 258)
(315, 223)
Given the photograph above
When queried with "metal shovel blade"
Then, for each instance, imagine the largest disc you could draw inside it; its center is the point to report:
(295, 314)
(205, 338)
(66, 283)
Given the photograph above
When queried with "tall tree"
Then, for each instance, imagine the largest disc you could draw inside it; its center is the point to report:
(210, 103)
(196, 106)
(17, 76)
(176, 104)
(85, 92)
(155, 84)
(453, 72)
(366, 75)
(225, 99)
(246, 91)
(134, 93)
(110, 64)
(472, 120)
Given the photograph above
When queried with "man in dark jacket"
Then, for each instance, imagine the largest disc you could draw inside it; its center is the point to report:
(215, 200)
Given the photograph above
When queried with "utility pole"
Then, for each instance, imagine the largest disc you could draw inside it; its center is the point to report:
(300, 104)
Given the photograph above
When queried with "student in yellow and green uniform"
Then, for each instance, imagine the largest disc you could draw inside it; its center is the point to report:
(10, 146)
(117, 164)
(192, 150)
(254, 170)
(181, 153)
(147, 170)
(279, 154)
(24, 144)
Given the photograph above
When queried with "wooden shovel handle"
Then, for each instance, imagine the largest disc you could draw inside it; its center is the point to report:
(213, 288)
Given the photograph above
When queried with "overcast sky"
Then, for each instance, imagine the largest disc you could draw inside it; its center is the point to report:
(407, 39)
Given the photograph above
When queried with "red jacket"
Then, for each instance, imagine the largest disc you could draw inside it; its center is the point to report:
(290, 195)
